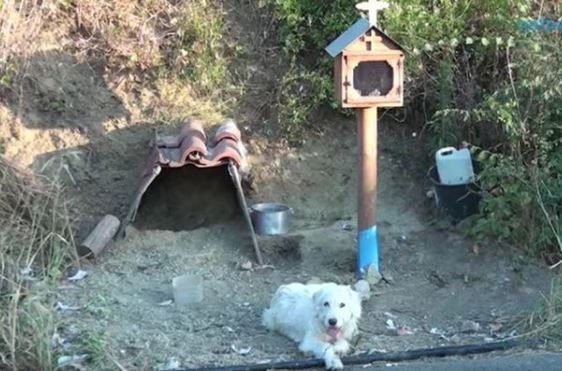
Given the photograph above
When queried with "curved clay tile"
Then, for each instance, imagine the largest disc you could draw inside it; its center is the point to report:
(227, 130)
(226, 149)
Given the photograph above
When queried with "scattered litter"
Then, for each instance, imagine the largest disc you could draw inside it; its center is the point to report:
(404, 330)
(246, 304)
(390, 325)
(347, 227)
(402, 238)
(436, 331)
(63, 307)
(247, 266)
(58, 341)
(430, 194)
(241, 351)
(74, 360)
(228, 328)
(470, 327)
(27, 274)
(263, 361)
(495, 327)
(166, 303)
(363, 289)
(390, 315)
(172, 364)
(80, 274)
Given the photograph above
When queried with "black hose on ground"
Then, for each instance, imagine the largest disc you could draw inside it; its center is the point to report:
(409, 355)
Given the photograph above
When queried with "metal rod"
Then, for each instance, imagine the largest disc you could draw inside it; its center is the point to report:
(368, 253)
(233, 170)
(409, 355)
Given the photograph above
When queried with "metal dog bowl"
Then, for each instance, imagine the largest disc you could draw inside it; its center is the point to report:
(270, 218)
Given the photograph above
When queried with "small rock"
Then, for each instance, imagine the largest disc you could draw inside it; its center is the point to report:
(363, 289)
(372, 276)
(470, 327)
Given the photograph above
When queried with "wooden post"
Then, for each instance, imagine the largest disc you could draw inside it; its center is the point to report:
(368, 251)
(96, 241)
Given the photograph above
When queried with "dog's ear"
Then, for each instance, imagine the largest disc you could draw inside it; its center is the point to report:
(354, 303)
(318, 297)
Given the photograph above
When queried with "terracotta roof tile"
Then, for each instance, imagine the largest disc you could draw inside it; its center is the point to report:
(192, 147)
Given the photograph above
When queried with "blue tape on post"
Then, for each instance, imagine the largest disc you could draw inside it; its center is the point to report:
(368, 251)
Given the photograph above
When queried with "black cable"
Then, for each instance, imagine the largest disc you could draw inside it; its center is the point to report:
(457, 350)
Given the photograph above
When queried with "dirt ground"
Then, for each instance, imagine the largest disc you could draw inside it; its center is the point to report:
(437, 279)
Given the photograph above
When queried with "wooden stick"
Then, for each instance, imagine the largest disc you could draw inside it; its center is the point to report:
(233, 170)
(98, 239)
(368, 255)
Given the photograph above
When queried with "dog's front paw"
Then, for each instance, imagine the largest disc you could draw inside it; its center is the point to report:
(333, 363)
(341, 347)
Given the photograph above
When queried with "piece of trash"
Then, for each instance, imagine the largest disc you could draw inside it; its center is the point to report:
(74, 360)
(263, 361)
(430, 194)
(166, 303)
(245, 351)
(247, 266)
(489, 340)
(80, 274)
(228, 328)
(363, 289)
(27, 274)
(436, 331)
(347, 227)
(57, 341)
(172, 364)
(63, 307)
(402, 238)
(404, 330)
(470, 327)
(390, 315)
(246, 304)
(495, 327)
(390, 325)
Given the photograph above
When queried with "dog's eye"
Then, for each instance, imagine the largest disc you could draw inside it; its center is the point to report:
(342, 305)
(326, 304)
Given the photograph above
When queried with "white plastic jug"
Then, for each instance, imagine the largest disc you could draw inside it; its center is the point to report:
(454, 166)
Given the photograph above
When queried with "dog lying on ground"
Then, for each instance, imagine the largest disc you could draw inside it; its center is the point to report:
(321, 318)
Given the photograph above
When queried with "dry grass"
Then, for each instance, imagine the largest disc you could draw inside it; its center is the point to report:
(35, 234)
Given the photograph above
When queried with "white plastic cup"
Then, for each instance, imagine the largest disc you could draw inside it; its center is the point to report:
(188, 289)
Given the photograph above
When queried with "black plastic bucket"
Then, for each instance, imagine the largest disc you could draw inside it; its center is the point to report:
(457, 201)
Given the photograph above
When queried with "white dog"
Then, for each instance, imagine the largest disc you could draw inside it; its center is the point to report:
(320, 317)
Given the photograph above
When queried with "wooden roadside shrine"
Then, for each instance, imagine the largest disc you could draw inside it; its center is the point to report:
(368, 73)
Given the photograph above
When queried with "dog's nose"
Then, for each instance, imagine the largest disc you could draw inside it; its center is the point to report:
(332, 321)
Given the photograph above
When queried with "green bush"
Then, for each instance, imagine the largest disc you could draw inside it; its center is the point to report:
(475, 77)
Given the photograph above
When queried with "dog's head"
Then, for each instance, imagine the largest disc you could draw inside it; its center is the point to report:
(337, 308)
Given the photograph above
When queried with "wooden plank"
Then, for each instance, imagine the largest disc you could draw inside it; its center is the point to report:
(98, 239)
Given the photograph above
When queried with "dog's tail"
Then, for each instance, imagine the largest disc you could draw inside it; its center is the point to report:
(267, 319)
